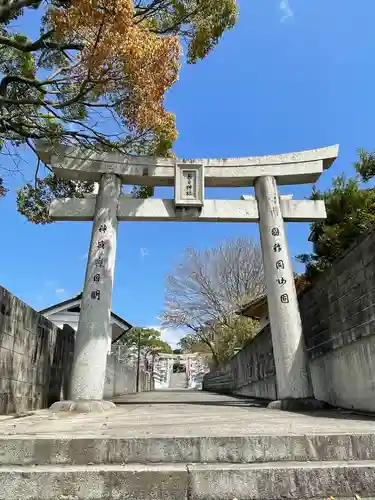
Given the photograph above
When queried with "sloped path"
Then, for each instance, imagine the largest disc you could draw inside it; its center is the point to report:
(184, 413)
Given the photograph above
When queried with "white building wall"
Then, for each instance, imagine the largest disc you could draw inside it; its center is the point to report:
(65, 317)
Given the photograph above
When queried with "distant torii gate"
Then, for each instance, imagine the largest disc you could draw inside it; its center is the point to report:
(189, 177)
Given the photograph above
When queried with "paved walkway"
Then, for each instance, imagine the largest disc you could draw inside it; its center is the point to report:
(180, 414)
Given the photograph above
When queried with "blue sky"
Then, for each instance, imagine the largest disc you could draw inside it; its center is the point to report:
(290, 76)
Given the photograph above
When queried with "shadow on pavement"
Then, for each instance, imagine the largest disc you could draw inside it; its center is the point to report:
(340, 414)
(197, 398)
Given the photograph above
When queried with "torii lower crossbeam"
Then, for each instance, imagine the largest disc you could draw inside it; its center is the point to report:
(158, 210)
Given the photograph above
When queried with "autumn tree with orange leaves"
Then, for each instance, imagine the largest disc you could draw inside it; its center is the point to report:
(96, 77)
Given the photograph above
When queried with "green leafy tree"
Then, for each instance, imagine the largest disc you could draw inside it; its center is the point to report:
(350, 213)
(149, 343)
(147, 338)
(96, 78)
(193, 343)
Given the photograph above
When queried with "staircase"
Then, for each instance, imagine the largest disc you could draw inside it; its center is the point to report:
(187, 445)
(178, 381)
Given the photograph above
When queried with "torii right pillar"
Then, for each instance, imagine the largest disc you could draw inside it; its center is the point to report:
(293, 382)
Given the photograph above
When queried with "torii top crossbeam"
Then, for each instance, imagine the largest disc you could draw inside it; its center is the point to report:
(302, 167)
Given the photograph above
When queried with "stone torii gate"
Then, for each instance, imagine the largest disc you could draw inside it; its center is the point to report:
(189, 178)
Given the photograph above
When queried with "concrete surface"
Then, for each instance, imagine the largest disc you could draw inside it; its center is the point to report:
(178, 381)
(191, 482)
(265, 389)
(32, 450)
(329, 374)
(185, 426)
(184, 444)
(279, 480)
(185, 413)
(36, 357)
(106, 482)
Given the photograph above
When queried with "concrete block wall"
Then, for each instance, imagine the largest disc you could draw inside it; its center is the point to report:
(338, 317)
(251, 372)
(220, 380)
(121, 378)
(35, 357)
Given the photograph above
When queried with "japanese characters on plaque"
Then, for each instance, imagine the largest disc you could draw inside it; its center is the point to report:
(99, 261)
(189, 183)
(281, 281)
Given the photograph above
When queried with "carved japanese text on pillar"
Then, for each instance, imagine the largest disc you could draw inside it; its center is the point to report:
(99, 261)
(277, 248)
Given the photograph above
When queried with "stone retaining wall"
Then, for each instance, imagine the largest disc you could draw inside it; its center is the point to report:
(251, 372)
(36, 359)
(121, 378)
(338, 316)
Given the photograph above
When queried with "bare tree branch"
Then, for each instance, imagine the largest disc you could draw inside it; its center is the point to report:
(41, 43)
(205, 289)
(32, 82)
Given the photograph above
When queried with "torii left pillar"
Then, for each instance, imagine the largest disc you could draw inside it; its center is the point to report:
(93, 334)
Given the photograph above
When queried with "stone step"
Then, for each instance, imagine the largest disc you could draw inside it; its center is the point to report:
(267, 481)
(29, 450)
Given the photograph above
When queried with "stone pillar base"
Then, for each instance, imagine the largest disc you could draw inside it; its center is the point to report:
(83, 406)
(299, 404)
